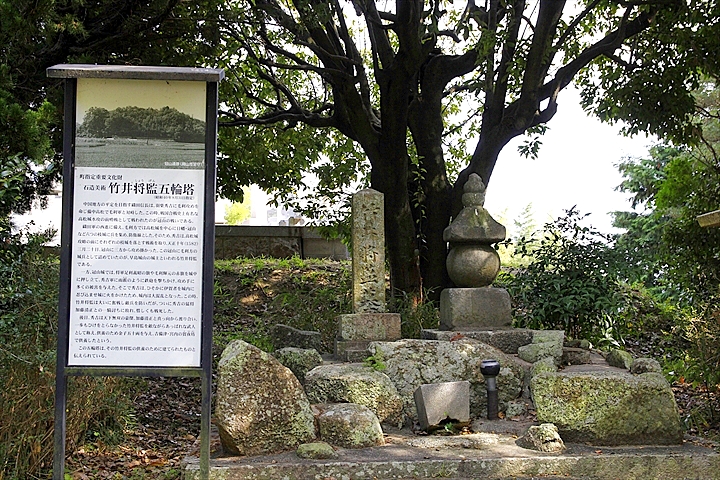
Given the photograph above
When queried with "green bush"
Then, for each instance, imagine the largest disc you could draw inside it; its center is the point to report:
(571, 282)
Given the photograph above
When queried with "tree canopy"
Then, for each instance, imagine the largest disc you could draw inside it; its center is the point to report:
(670, 188)
(411, 82)
(35, 35)
(411, 96)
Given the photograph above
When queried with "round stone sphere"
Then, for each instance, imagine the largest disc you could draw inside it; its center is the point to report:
(472, 266)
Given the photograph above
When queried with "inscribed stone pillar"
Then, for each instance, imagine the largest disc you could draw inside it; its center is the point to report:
(368, 256)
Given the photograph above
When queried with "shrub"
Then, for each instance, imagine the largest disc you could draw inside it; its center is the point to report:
(570, 283)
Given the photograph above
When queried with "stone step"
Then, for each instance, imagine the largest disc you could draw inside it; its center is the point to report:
(498, 461)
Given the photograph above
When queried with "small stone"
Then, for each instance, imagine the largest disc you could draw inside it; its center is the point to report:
(584, 344)
(543, 438)
(286, 336)
(349, 425)
(316, 451)
(645, 365)
(619, 358)
(356, 383)
(542, 336)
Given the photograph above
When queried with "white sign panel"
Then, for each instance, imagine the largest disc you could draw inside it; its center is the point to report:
(137, 242)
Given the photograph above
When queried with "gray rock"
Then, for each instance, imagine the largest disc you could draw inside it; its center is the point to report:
(260, 406)
(349, 425)
(474, 441)
(543, 438)
(299, 360)
(436, 402)
(316, 451)
(410, 363)
(537, 351)
(576, 356)
(555, 336)
(584, 344)
(608, 407)
(645, 365)
(619, 358)
(516, 408)
(286, 336)
(506, 340)
(355, 383)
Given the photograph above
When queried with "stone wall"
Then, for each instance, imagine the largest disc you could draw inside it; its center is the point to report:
(233, 241)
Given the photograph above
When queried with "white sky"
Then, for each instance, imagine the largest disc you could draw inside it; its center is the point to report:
(575, 166)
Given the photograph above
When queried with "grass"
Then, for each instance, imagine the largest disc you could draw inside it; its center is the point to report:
(252, 295)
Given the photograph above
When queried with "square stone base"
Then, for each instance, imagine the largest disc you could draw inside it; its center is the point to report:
(357, 330)
(474, 308)
(384, 327)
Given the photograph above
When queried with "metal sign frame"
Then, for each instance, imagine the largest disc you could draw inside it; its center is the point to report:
(70, 73)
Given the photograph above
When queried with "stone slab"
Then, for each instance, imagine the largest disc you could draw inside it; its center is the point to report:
(507, 340)
(350, 350)
(474, 308)
(286, 336)
(497, 460)
(369, 326)
(436, 402)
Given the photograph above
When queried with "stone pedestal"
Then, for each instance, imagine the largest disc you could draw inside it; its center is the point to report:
(474, 308)
(357, 330)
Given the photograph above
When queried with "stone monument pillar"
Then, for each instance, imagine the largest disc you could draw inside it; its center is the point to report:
(368, 322)
(473, 265)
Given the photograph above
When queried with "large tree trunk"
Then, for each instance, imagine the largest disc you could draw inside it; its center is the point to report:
(389, 175)
(433, 212)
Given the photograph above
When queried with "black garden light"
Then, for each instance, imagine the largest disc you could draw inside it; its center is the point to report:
(490, 369)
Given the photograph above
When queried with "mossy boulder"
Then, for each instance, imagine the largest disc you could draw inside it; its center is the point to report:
(410, 363)
(544, 365)
(619, 358)
(608, 408)
(355, 383)
(299, 360)
(261, 407)
(349, 425)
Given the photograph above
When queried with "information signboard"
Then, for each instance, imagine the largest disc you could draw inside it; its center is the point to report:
(137, 238)
(137, 243)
